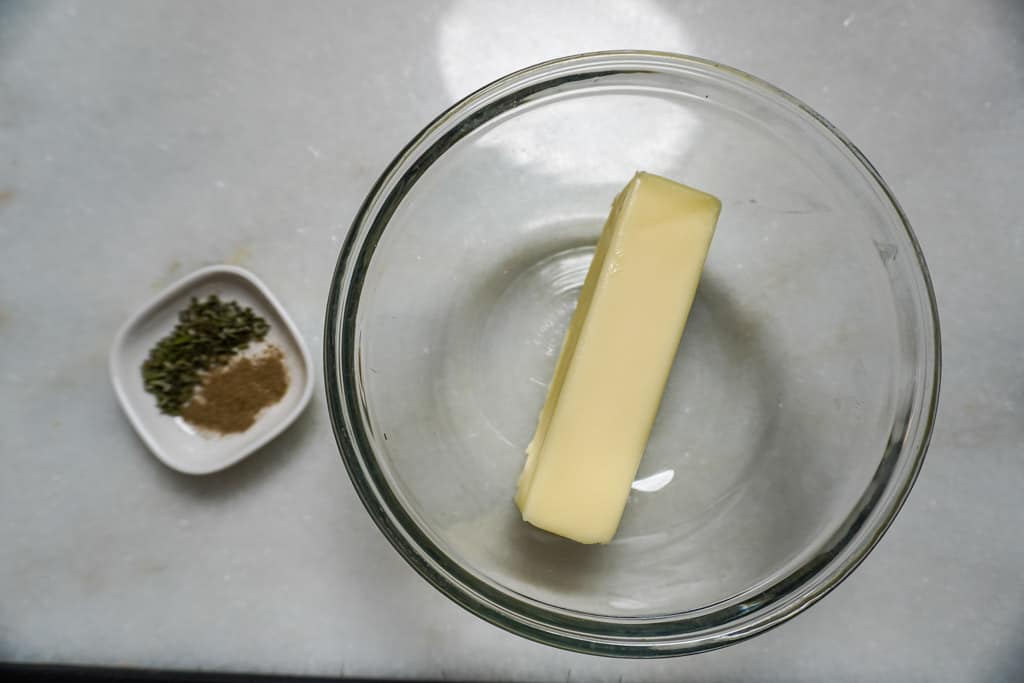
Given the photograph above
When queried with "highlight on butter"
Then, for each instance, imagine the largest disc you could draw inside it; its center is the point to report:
(616, 359)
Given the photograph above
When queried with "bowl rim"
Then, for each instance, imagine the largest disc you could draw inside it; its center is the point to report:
(666, 635)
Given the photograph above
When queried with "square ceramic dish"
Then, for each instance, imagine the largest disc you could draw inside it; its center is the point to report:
(172, 440)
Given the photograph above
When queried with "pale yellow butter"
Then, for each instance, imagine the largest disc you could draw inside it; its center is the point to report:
(616, 358)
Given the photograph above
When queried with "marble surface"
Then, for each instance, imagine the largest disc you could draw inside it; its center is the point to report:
(142, 140)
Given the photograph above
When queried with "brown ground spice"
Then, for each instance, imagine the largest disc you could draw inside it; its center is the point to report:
(231, 397)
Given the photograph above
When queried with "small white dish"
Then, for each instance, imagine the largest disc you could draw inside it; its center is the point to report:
(173, 441)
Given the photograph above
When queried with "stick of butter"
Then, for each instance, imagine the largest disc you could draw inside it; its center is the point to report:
(616, 358)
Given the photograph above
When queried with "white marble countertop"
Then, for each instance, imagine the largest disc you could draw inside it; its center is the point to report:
(142, 140)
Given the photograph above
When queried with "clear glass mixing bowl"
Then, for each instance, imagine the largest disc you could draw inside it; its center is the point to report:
(798, 411)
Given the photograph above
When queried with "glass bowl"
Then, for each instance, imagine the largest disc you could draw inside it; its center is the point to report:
(798, 411)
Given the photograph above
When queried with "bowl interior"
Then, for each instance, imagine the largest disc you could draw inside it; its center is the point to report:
(803, 355)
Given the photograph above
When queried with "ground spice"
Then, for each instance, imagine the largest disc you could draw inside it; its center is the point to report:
(231, 397)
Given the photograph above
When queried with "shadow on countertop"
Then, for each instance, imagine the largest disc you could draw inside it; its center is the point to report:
(18, 673)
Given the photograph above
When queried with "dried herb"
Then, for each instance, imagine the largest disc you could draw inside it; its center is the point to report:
(207, 335)
(232, 397)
